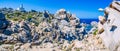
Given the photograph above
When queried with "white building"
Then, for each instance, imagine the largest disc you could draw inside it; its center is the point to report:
(21, 8)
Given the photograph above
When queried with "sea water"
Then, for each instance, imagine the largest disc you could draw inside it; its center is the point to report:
(88, 23)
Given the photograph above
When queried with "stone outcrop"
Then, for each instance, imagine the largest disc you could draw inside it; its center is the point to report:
(59, 32)
(63, 26)
(3, 22)
(109, 26)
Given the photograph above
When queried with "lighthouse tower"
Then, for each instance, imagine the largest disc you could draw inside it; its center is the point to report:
(21, 8)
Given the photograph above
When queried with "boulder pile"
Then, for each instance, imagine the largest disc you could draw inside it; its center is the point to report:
(62, 27)
(61, 31)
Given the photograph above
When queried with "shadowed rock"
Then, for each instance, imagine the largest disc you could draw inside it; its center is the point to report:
(3, 22)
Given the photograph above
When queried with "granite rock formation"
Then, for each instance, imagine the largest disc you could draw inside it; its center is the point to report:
(109, 26)
(3, 22)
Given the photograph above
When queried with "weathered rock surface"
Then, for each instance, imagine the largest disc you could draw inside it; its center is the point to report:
(109, 29)
(62, 28)
(61, 32)
(3, 22)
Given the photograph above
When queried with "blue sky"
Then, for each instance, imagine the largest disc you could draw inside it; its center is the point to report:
(82, 8)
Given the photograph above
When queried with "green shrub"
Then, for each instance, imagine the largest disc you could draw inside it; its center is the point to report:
(23, 17)
(15, 19)
(95, 32)
(49, 21)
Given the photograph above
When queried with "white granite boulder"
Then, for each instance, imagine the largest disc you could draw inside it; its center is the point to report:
(110, 36)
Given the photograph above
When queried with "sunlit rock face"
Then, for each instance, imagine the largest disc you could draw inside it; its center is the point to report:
(109, 26)
(67, 23)
(61, 13)
(94, 25)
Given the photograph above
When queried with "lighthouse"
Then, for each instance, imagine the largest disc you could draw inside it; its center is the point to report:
(21, 8)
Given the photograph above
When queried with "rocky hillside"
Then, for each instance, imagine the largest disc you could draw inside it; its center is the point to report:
(109, 26)
(62, 31)
(38, 28)
(59, 32)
